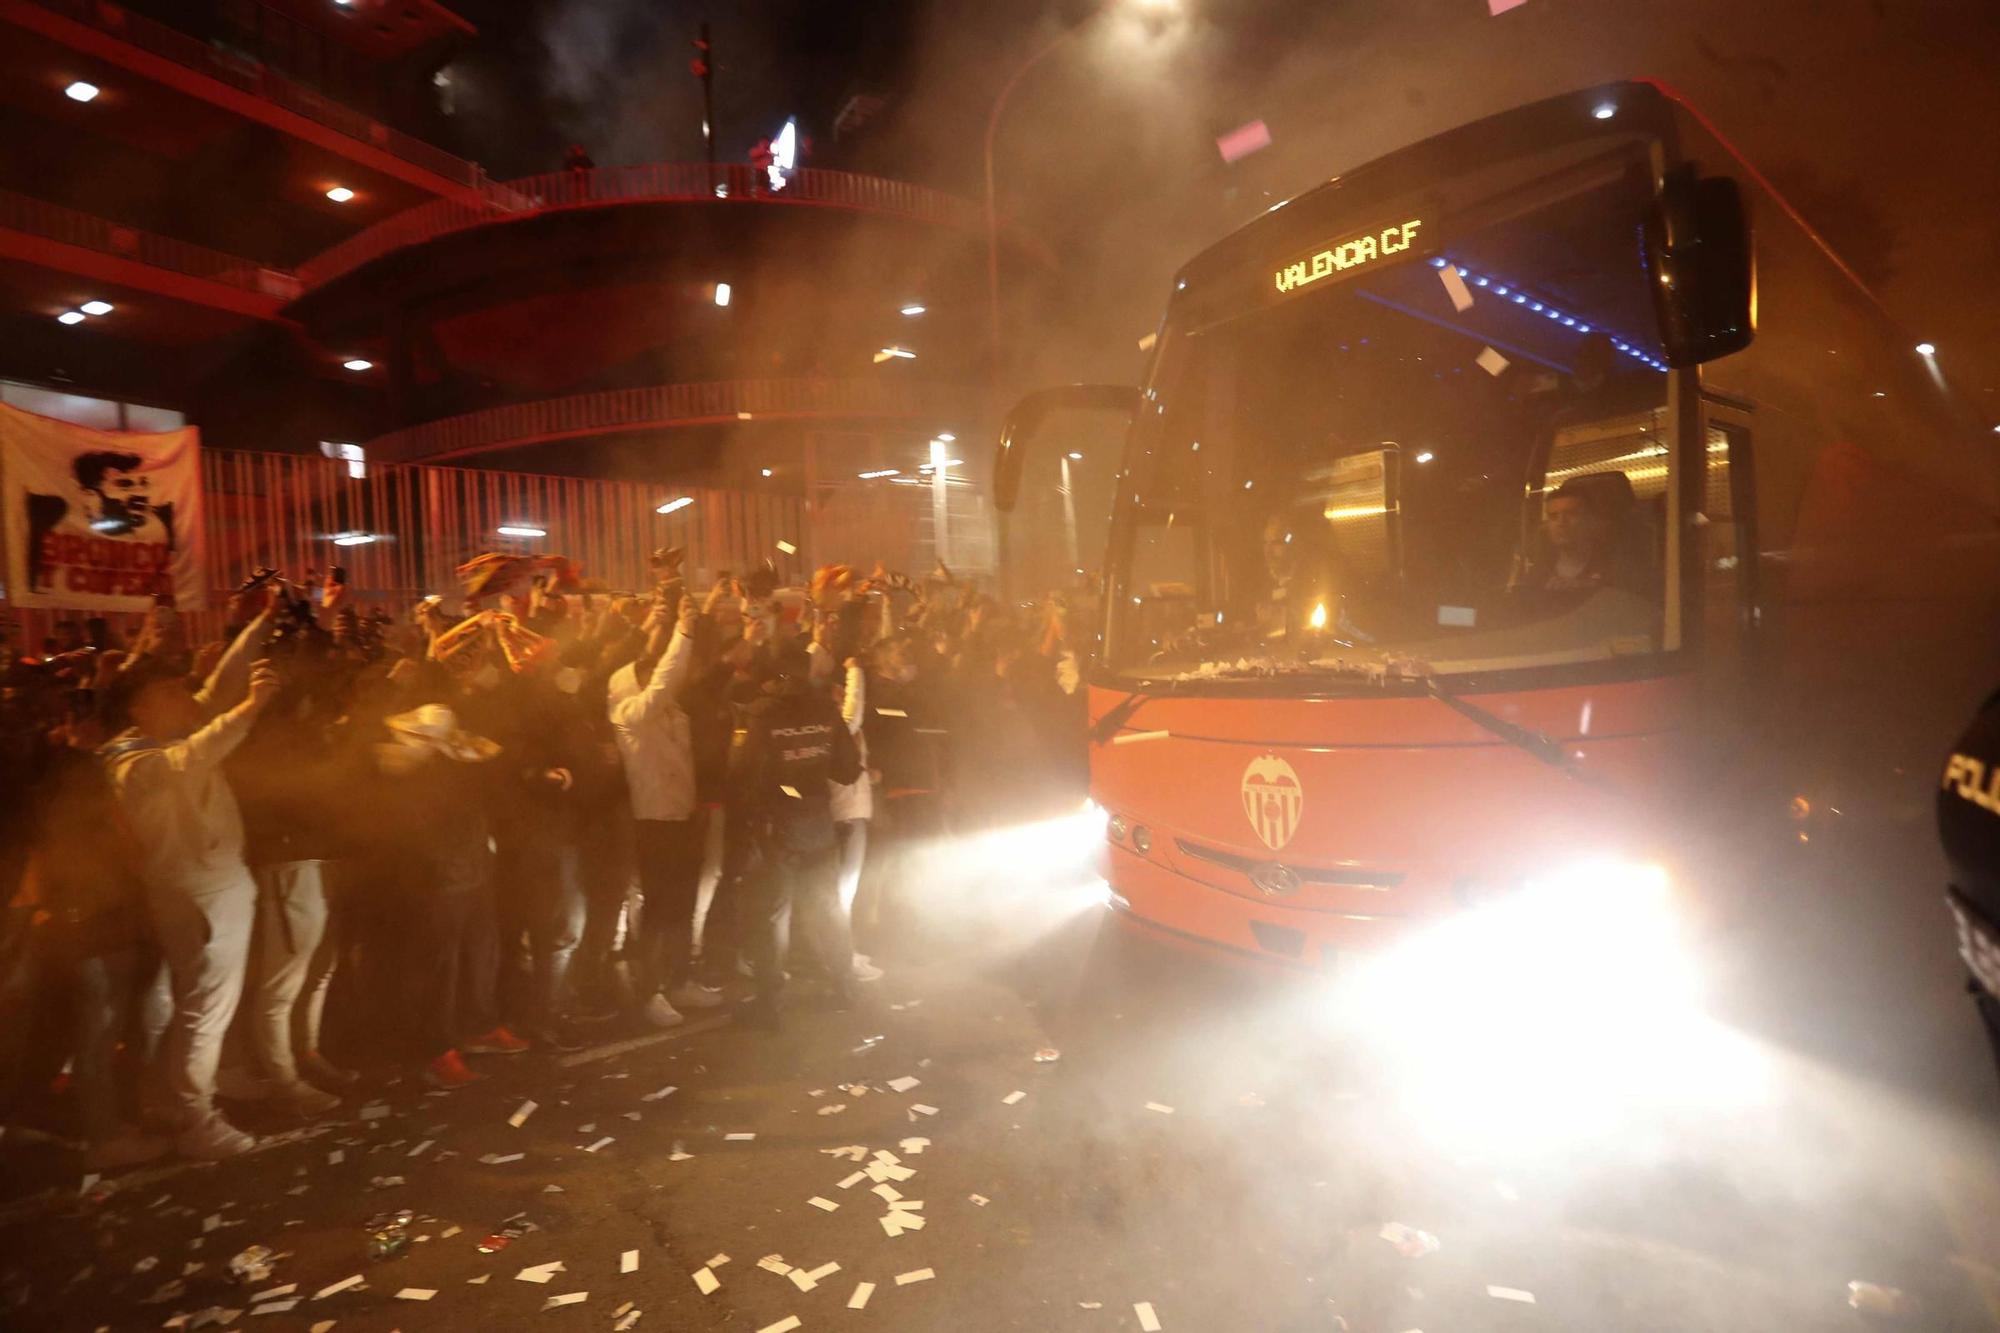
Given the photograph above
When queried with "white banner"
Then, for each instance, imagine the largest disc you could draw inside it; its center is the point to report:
(99, 520)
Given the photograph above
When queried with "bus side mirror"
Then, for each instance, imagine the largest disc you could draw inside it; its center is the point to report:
(1698, 264)
(1027, 417)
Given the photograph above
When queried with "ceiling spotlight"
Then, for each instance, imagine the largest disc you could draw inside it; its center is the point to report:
(358, 363)
(672, 505)
(1426, 456)
(97, 307)
(764, 471)
(81, 91)
(1075, 457)
(913, 310)
(723, 293)
(520, 530)
(1603, 111)
(946, 436)
(354, 538)
(1923, 349)
(70, 317)
(878, 473)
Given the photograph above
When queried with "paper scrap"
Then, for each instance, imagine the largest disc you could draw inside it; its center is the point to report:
(979, 1199)
(706, 1282)
(1146, 343)
(824, 1205)
(567, 1298)
(914, 1147)
(1495, 8)
(604, 1142)
(501, 1158)
(275, 1292)
(1490, 361)
(738, 1138)
(774, 1263)
(792, 792)
(375, 1111)
(274, 1307)
(905, 1083)
(862, 1291)
(323, 1326)
(851, 1181)
(520, 1116)
(788, 548)
(785, 1325)
(479, 1281)
(541, 1272)
(833, 1109)
(887, 1193)
(416, 1293)
(418, 1151)
(1162, 1109)
(1455, 288)
(890, 712)
(914, 1275)
(921, 1109)
(626, 1323)
(450, 1231)
(802, 1279)
(1148, 1321)
(1511, 1294)
(659, 1095)
(718, 1261)
(1013, 1098)
(1244, 140)
(334, 1289)
(336, 1157)
(628, 1262)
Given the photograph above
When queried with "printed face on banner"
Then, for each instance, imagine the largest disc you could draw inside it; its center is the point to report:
(100, 520)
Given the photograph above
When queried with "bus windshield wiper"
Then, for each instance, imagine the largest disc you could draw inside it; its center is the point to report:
(1116, 716)
(1534, 742)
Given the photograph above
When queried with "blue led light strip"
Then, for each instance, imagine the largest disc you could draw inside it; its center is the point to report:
(1531, 303)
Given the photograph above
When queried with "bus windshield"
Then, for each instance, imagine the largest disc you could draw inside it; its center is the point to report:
(1454, 462)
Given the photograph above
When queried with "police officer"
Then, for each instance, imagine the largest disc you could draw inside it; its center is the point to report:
(795, 744)
(1969, 823)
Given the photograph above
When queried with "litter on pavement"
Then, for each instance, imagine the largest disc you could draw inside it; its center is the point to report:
(862, 1291)
(914, 1275)
(521, 1114)
(1148, 1321)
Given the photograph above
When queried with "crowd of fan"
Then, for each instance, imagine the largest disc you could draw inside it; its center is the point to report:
(476, 833)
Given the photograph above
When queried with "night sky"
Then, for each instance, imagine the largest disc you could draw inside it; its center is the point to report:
(1875, 116)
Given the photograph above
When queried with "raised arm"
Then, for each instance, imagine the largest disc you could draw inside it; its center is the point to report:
(226, 685)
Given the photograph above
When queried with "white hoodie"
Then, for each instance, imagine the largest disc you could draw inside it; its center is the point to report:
(653, 736)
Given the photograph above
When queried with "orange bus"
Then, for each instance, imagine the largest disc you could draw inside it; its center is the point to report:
(1465, 533)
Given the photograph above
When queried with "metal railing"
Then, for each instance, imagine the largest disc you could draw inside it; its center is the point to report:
(247, 74)
(670, 405)
(68, 227)
(665, 182)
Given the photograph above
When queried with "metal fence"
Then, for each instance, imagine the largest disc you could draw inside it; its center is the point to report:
(252, 75)
(66, 226)
(663, 182)
(287, 510)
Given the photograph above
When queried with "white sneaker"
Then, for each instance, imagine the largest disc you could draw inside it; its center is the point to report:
(214, 1139)
(865, 969)
(694, 995)
(662, 1014)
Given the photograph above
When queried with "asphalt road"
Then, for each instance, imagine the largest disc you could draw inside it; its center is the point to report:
(1203, 1146)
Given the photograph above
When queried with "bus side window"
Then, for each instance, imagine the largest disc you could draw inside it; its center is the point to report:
(1729, 543)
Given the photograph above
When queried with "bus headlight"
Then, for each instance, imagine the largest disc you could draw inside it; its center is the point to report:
(1114, 828)
(1142, 838)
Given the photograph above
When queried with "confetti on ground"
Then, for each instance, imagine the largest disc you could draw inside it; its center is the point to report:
(979, 1199)
(416, 1293)
(479, 1281)
(785, 1325)
(774, 1263)
(334, 1289)
(1148, 1321)
(628, 1262)
(553, 1189)
(1511, 1294)
(679, 1154)
(1146, 343)
(862, 1291)
(1455, 288)
(788, 548)
(501, 1158)
(336, 1157)
(914, 1147)
(824, 1205)
(1495, 8)
(852, 1180)
(520, 1116)
(718, 1261)
(323, 1326)
(834, 1109)
(274, 1307)
(706, 1282)
(567, 1298)
(275, 1292)
(854, 1152)
(1244, 140)
(738, 1138)
(1490, 361)
(627, 1322)
(659, 1095)
(604, 1142)
(914, 1275)
(450, 1231)
(1162, 1109)
(375, 1111)
(920, 1109)
(904, 1084)
(541, 1272)
(1013, 1098)
(1048, 1055)
(418, 1151)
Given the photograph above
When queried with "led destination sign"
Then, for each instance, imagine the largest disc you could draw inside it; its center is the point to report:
(1345, 256)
